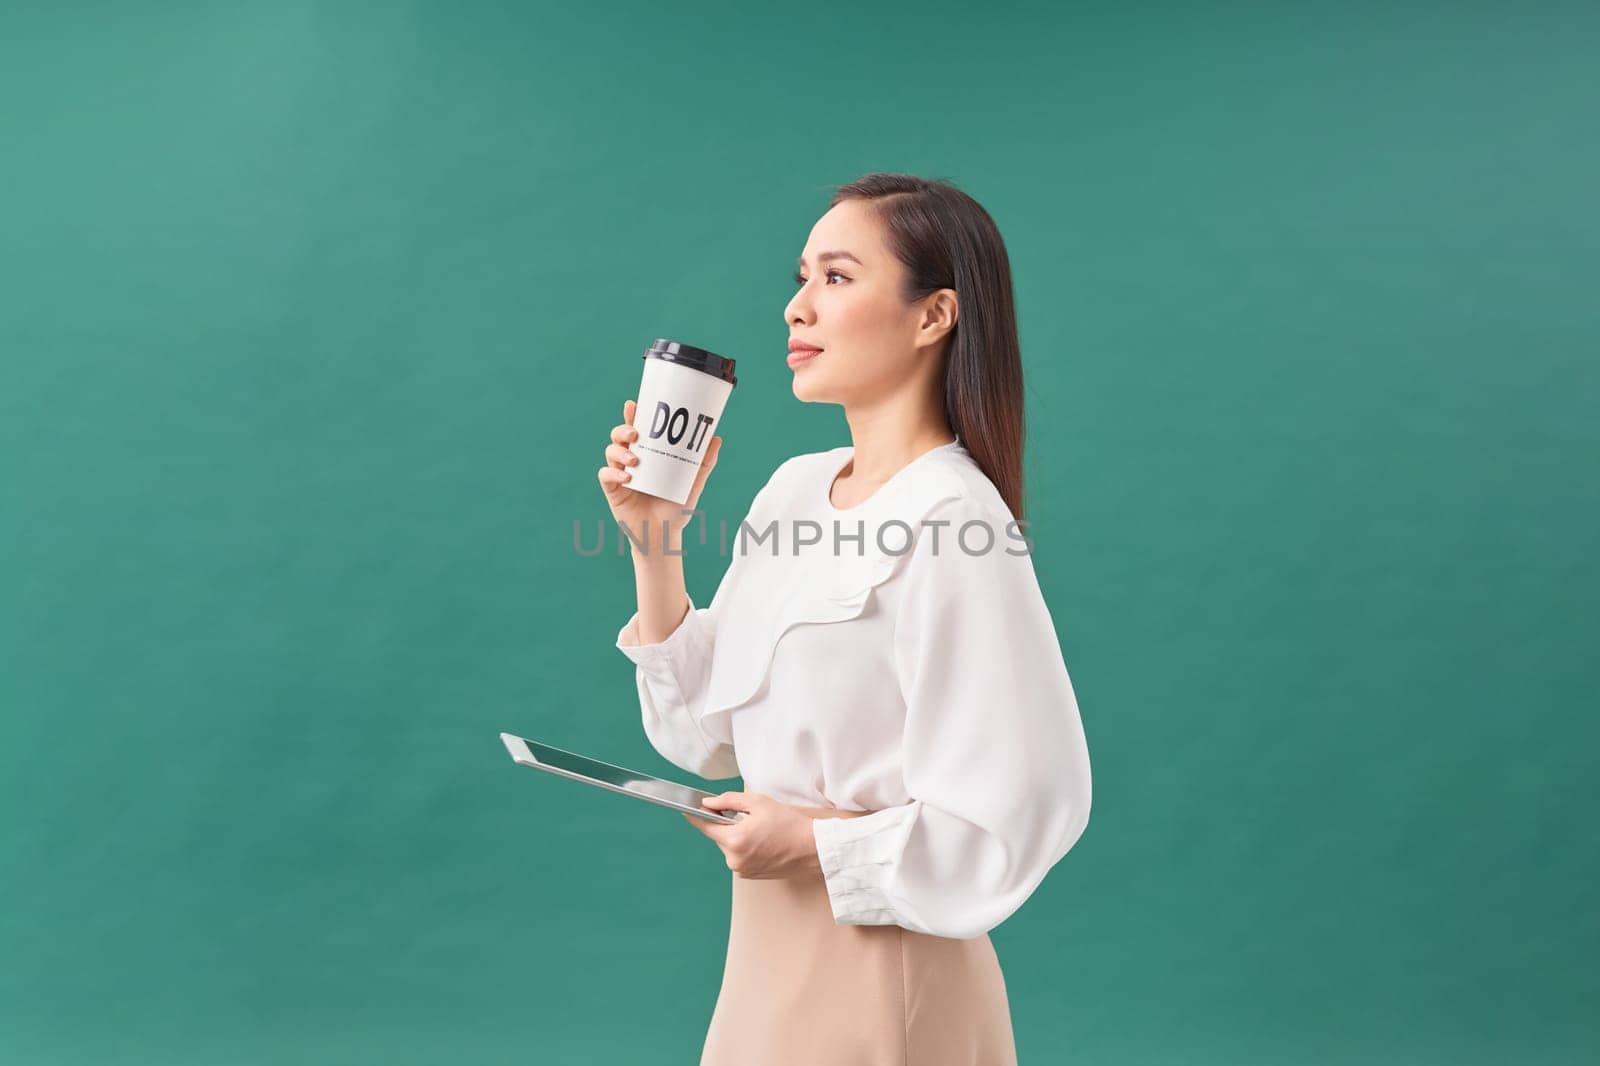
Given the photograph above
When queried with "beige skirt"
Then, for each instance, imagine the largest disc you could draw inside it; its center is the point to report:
(801, 990)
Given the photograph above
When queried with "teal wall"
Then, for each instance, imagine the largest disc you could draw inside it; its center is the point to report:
(313, 321)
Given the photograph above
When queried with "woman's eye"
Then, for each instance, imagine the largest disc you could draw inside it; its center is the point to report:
(798, 280)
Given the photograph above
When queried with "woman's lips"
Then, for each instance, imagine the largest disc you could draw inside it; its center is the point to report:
(801, 355)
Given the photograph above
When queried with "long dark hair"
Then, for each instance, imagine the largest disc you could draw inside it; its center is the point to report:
(948, 241)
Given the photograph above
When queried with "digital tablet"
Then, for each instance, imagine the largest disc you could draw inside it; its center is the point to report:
(647, 787)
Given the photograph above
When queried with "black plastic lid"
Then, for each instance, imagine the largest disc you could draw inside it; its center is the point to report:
(694, 358)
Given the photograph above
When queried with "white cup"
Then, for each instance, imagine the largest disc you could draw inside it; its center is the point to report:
(681, 398)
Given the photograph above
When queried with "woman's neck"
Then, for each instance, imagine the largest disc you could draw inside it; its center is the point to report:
(883, 446)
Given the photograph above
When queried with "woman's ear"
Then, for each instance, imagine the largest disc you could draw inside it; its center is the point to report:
(940, 311)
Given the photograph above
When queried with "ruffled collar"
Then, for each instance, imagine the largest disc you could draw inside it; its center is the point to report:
(768, 592)
(904, 489)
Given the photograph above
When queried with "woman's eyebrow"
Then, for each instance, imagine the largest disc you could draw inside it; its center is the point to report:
(825, 256)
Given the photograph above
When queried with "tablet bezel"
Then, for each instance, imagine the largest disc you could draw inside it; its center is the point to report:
(518, 748)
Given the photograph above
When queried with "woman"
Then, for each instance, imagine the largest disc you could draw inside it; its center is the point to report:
(878, 662)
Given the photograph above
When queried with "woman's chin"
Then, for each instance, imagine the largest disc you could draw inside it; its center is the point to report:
(817, 390)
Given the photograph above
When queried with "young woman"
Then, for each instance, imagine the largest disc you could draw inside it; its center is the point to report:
(878, 662)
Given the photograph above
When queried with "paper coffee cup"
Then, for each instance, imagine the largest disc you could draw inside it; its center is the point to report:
(680, 403)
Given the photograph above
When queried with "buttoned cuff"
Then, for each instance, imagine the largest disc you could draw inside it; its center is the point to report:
(858, 857)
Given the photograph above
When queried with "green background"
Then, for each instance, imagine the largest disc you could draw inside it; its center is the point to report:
(314, 319)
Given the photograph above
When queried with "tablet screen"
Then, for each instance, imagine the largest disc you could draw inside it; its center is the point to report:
(606, 775)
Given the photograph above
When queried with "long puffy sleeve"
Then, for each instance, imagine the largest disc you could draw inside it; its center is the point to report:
(994, 755)
(673, 676)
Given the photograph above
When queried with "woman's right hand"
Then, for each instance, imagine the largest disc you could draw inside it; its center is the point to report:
(634, 509)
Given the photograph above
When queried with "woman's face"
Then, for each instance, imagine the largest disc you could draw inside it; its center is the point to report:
(851, 307)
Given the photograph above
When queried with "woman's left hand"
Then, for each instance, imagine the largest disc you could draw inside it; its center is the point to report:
(772, 840)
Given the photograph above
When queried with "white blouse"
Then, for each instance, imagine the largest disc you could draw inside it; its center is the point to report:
(926, 685)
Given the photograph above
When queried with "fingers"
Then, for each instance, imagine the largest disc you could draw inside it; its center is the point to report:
(705, 827)
(620, 456)
(713, 449)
